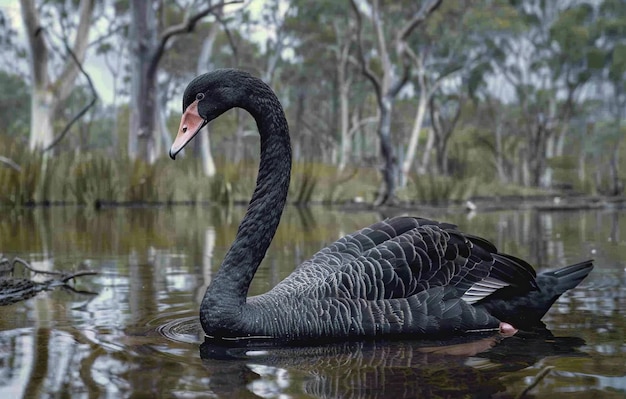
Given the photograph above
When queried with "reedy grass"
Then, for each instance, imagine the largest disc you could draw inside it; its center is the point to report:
(94, 179)
(28, 185)
(437, 190)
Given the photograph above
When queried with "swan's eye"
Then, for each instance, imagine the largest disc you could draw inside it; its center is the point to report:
(199, 96)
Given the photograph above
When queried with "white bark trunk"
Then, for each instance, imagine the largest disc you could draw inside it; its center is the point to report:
(144, 96)
(428, 149)
(346, 137)
(204, 64)
(415, 134)
(499, 155)
(41, 118)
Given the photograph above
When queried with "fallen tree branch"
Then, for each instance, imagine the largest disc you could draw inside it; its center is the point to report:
(30, 268)
(64, 277)
(71, 276)
(16, 289)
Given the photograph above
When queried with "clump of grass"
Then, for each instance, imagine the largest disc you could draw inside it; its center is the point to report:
(438, 190)
(142, 184)
(304, 180)
(221, 190)
(26, 186)
(93, 179)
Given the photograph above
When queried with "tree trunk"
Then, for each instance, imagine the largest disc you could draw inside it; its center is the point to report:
(143, 81)
(41, 118)
(387, 84)
(502, 174)
(428, 148)
(387, 193)
(415, 133)
(344, 83)
(346, 137)
(48, 94)
(615, 184)
(203, 139)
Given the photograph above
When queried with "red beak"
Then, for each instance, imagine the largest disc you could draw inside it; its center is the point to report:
(190, 124)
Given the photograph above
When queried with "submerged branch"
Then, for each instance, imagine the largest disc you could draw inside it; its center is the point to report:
(16, 289)
(64, 277)
(542, 374)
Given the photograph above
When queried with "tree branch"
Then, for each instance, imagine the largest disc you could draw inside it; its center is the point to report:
(355, 127)
(402, 48)
(417, 19)
(65, 82)
(362, 63)
(83, 110)
(10, 163)
(229, 36)
(188, 25)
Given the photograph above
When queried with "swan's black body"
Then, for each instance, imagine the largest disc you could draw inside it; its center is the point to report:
(401, 276)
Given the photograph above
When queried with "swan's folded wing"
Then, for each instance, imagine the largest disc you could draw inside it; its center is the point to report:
(399, 257)
(428, 255)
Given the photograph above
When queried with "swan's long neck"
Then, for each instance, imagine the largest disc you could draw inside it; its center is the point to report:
(228, 291)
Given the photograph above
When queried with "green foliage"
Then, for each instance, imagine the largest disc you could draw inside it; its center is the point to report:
(14, 106)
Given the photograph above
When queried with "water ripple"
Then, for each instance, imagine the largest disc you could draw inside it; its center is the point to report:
(184, 330)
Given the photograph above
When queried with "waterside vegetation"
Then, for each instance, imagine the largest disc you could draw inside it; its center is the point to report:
(95, 179)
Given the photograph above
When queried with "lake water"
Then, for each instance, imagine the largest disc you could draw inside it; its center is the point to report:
(132, 330)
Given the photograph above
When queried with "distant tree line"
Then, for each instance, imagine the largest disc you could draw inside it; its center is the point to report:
(525, 92)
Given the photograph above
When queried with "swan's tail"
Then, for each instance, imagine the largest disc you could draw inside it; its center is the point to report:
(561, 280)
(524, 310)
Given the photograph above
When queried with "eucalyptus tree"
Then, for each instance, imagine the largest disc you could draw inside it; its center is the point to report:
(388, 67)
(324, 38)
(63, 27)
(446, 51)
(544, 65)
(609, 62)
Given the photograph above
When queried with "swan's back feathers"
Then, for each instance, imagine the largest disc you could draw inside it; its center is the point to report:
(403, 256)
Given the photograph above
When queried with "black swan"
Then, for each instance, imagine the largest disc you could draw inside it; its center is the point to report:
(404, 276)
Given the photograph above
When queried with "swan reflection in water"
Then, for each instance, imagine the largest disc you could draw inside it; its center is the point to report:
(474, 366)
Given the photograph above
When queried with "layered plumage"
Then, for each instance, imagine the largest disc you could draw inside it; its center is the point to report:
(401, 276)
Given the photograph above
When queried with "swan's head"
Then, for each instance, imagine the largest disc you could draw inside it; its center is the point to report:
(207, 97)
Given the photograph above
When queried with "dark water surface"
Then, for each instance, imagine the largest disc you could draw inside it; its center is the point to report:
(138, 335)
